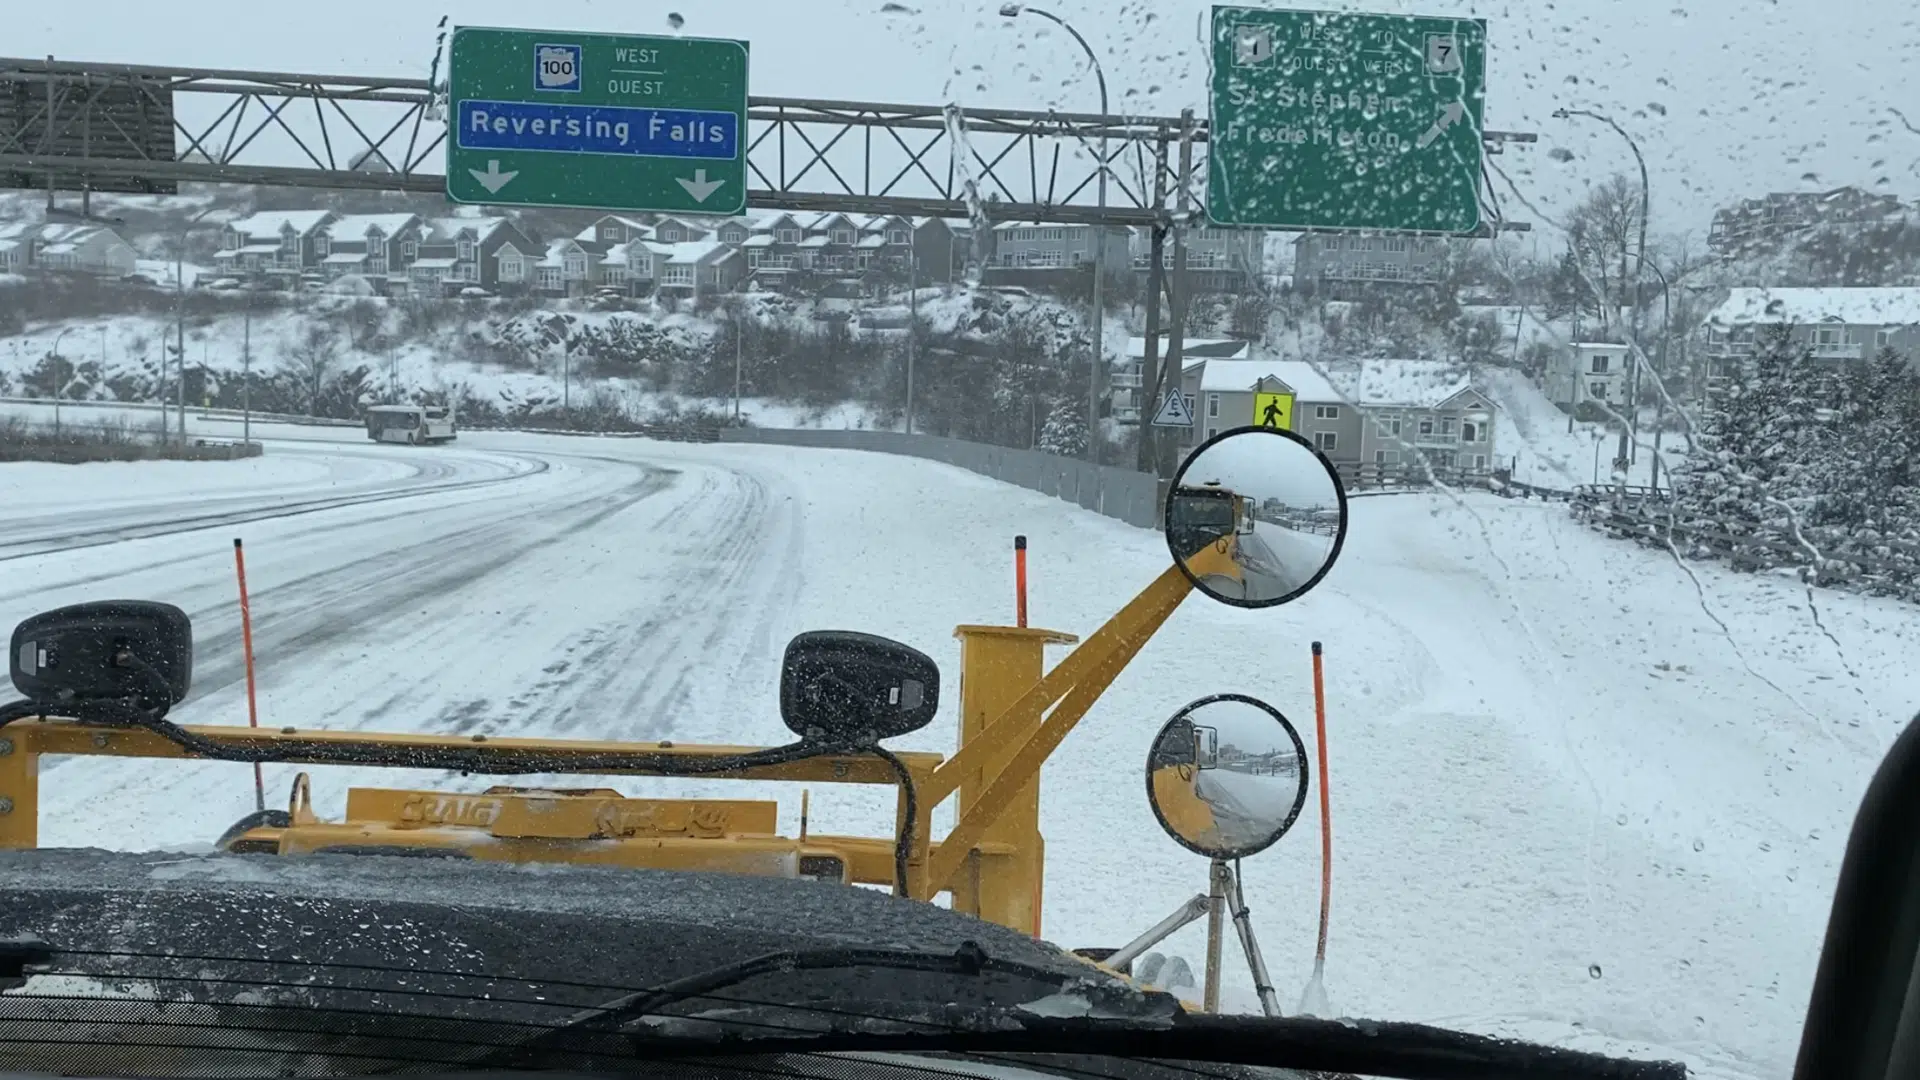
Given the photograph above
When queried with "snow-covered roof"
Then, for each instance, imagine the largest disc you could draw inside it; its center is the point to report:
(274, 222)
(758, 240)
(1853, 307)
(624, 254)
(694, 252)
(769, 220)
(345, 258)
(355, 226)
(1419, 384)
(1191, 348)
(814, 242)
(872, 241)
(1229, 376)
(434, 264)
(249, 249)
(443, 230)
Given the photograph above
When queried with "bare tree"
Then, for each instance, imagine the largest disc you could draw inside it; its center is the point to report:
(1603, 236)
(311, 357)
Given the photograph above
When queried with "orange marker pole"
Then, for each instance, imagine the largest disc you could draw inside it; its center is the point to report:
(1326, 821)
(246, 644)
(1020, 577)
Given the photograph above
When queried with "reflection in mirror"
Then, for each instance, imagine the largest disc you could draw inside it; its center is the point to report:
(1227, 776)
(1256, 517)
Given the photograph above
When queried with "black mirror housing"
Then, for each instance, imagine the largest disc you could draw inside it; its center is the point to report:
(845, 685)
(108, 649)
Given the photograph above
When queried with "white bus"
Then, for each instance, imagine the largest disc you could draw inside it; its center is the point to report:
(410, 424)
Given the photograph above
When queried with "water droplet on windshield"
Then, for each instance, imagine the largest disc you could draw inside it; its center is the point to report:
(1699, 845)
(1593, 971)
(675, 20)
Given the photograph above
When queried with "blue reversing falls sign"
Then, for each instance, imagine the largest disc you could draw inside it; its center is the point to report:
(598, 129)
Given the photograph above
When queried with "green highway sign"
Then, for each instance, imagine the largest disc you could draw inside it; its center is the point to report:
(1322, 120)
(598, 121)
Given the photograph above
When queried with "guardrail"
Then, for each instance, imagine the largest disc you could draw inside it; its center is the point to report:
(1121, 494)
(199, 412)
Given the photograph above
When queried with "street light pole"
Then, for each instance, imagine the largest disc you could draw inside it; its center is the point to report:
(913, 310)
(1099, 234)
(57, 380)
(1633, 392)
(180, 330)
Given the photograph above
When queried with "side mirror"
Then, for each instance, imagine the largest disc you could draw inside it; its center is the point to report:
(1227, 776)
(110, 649)
(848, 686)
(1256, 517)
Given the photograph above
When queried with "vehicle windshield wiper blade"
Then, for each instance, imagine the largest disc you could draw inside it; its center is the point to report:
(967, 960)
(1354, 1048)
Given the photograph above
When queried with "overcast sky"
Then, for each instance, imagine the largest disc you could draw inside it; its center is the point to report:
(1728, 98)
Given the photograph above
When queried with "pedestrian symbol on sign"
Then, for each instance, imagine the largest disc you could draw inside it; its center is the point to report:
(556, 67)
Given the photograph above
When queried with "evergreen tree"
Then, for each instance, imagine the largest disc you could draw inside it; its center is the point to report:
(1753, 445)
(1065, 430)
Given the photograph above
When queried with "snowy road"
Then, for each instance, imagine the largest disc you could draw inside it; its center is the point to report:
(1580, 793)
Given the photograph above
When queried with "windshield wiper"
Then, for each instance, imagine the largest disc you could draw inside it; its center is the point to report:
(1351, 1048)
(967, 960)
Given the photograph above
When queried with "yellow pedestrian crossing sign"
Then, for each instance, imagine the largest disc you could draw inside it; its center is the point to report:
(1273, 410)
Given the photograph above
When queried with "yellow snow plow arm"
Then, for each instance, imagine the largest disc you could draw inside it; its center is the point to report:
(1013, 714)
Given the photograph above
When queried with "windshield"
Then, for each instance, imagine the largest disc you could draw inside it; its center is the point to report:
(1604, 316)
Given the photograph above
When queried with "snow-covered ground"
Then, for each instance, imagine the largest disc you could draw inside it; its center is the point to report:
(1549, 451)
(1580, 793)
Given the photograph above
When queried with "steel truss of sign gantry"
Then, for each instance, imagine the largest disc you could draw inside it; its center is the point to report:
(125, 128)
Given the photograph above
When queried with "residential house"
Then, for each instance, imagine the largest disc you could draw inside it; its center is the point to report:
(1839, 325)
(1022, 254)
(1587, 372)
(275, 243)
(1221, 394)
(1127, 399)
(827, 246)
(1219, 259)
(461, 252)
(893, 244)
(621, 247)
(1755, 223)
(65, 247)
(696, 268)
(772, 250)
(1375, 411)
(378, 247)
(1341, 260)
(569, 266)
(1404, 406)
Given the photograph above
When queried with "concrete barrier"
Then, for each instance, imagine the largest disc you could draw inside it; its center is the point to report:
(1122, 494)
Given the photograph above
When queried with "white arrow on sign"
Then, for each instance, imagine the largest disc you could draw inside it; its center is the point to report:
(699, 187)
(1450, 114)
(493, 179)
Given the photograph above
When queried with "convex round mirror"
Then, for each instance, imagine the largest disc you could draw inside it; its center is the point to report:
(1227, 776)
(1256, 517)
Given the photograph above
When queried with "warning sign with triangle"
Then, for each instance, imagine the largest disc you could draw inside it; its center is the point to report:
(1173, 412)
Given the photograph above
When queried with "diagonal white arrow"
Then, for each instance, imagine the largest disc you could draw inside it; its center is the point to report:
(493, 179)
(1450, 114)
(699, 187)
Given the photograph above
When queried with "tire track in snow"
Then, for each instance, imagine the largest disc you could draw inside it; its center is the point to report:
(300, 616)
(649, 667)
(101, 535)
